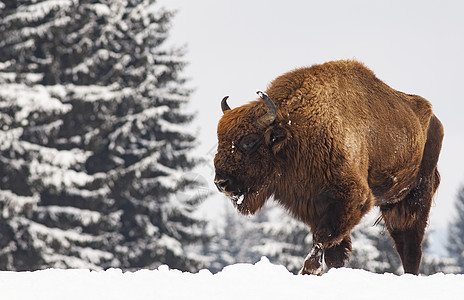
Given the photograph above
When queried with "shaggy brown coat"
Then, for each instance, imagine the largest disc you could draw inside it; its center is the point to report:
(341, 142)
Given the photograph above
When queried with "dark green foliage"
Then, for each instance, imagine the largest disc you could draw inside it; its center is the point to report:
(94, 145)
(286, 241)
(456, 232)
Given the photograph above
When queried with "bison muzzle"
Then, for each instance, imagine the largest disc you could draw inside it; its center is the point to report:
(328, 142)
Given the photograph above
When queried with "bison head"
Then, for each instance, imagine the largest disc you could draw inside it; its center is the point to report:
(251, 139)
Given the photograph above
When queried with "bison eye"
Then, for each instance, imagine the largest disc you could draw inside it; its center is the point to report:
(249, 143)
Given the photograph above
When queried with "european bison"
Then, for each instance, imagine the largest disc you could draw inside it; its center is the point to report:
(328, 142)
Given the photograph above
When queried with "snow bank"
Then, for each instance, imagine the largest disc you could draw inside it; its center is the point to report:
(241, 281)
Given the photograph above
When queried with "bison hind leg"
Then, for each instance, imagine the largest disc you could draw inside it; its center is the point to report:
(406, 224)
(407, 219)
(338, 255)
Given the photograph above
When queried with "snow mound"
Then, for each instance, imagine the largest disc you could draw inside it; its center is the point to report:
(262, 280)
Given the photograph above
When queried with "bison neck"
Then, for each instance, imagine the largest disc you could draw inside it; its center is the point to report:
(296, 192)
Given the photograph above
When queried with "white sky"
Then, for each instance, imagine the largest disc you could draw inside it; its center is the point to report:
(235, 47)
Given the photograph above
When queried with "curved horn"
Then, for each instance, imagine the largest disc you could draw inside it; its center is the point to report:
(224, 105)
(271, 114)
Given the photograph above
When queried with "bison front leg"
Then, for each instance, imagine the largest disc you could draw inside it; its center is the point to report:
(339, 210)
(313, 262)
(338, 255)
(337, 218)
(334, 257)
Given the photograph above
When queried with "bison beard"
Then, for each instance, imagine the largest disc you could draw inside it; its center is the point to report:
(328, 142)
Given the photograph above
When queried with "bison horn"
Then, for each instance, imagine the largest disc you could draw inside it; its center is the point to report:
(270, 117)
(224, 104)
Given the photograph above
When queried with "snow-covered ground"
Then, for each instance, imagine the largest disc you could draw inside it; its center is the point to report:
(262, 280)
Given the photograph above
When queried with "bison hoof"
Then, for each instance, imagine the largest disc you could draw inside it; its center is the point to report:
(313, 263)
(308, 271)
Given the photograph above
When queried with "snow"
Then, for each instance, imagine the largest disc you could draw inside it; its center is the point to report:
(101, 9)
(64, 159)
(38, 11)
(240, 199)
(15, 204)
(7, 137)
(86, 217)
(32, 99)
(262, 280)
(170, 243)
(58, 177)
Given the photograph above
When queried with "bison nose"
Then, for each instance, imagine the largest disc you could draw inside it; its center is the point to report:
(221, 184)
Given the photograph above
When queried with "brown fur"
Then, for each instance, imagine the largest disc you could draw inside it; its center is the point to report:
(342, 142)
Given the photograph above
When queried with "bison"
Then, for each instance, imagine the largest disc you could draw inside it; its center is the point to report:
(328, 143)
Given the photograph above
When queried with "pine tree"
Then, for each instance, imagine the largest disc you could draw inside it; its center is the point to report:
(374, 251)
(285, 240)
(275, 234)
(373, 248)
(234, 242)
(94, 147)
(271, 233)
(455, 245)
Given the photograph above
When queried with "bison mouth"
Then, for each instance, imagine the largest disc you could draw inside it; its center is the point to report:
(246, 199)
(242, 202)
(230, 187)
(238, 199)
(247, 203)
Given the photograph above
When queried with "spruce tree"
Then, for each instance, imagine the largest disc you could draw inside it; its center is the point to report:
(234, 242)
(455, 245)
(373, 248)
(94, 145)
(271, 233)
(284, 240)
(374, 251)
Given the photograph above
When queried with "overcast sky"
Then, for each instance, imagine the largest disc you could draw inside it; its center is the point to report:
(235, 47)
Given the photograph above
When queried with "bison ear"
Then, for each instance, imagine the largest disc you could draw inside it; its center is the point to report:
(276, 137)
